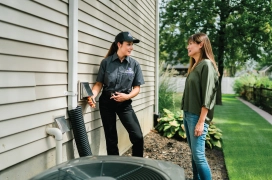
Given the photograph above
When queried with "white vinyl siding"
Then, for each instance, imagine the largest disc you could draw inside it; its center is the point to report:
(99, 22)
(31, 50)
(25, 64)
(16, 125)
(38, 10)
(34, 75)
(23, 19)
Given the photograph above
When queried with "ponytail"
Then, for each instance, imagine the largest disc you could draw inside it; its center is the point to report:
(113, 49)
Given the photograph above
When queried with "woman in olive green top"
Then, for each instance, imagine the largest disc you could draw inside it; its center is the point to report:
(198, 100)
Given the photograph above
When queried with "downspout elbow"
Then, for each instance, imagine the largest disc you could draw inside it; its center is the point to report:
(55, 132)
(58, 137)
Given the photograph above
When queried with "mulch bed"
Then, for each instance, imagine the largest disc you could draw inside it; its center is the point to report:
(178, 152)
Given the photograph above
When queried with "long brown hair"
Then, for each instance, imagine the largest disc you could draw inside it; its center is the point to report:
(113, 49)
(206, 50)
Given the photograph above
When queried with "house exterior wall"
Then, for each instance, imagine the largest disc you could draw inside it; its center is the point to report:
(34, 75)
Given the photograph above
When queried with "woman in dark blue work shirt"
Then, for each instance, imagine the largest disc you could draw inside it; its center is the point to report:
(120, 76)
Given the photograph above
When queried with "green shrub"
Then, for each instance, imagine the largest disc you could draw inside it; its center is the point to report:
(214, 137)
(265, 81)
(239, 83)
(250, 80)
(171, 125)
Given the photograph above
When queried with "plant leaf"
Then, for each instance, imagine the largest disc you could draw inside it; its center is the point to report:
(166, 127)
(208, 143)
(182, 134)
(174, 123)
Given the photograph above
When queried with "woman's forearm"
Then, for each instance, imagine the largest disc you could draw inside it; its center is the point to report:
(203, 114)
(97, 88)
(135, 91)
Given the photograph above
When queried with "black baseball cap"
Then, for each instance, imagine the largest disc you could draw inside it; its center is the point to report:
(125, 36)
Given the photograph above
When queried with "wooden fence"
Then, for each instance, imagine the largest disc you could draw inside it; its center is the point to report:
(259, 96)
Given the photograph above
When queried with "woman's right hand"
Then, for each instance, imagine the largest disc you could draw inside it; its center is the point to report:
(91, 101)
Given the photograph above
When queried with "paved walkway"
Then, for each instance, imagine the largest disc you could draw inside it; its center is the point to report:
(264, 114)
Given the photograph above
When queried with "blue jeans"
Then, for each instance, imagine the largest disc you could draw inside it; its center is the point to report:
(201, 168)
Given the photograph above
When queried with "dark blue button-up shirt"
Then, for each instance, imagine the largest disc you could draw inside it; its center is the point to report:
(118, 76)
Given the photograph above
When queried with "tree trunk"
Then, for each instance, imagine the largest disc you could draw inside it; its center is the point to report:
(221, 47)
(218, 99)
(220, 65)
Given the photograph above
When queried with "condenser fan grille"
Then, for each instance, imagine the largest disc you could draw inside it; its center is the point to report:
(113, 168)
(118, 171)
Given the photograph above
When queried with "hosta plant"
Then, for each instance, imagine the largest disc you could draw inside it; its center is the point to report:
(214, 137)
(171, 125)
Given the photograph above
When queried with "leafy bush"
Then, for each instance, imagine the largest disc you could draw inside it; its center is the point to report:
(214, 137)
(171, 125)
(252, 80)
(240, 82)
(265, 81)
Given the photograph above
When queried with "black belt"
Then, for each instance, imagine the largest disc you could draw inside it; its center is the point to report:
(110, 93)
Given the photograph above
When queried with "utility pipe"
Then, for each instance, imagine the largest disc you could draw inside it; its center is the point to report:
(157, 60)
(75, 111)
(72, 54)
(58, 137)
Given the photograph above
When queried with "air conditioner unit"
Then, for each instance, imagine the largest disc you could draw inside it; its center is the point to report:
(113, 168)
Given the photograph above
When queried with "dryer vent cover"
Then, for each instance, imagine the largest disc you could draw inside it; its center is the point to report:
(113, 168)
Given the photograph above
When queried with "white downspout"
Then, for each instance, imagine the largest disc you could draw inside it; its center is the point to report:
(58, 137)
(72, 54)
(157, 61)
(72, 73)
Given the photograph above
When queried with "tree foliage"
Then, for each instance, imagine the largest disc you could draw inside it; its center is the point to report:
(239, 30)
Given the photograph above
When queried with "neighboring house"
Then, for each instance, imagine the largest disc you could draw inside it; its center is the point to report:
(180, 68)
(35, 67)
(266, 71)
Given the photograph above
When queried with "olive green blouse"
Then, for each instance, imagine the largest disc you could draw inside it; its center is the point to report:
(200, 89)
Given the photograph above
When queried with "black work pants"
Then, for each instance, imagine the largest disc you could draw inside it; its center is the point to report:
(108, 110)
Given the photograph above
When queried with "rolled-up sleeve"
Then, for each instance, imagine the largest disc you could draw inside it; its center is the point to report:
(209, 85)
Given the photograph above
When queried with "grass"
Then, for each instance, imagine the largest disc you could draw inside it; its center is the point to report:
(247, 140)
(177, 101)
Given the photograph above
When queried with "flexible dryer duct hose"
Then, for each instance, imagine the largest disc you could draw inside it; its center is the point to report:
(79, 130)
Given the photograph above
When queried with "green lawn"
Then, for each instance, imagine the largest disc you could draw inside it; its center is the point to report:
(247, 140)
(177, 101)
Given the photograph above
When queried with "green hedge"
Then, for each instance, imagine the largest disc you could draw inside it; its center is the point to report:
(250, 80)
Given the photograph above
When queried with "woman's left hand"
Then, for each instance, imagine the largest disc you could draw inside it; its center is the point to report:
(199, 128)
(119, 97)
